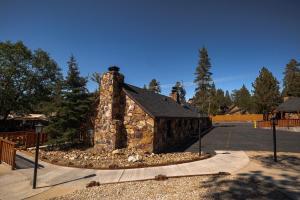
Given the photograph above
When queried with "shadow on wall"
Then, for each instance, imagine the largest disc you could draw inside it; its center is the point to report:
(252, 185)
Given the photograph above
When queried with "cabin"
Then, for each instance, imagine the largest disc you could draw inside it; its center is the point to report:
(132, 117)
(289, 109)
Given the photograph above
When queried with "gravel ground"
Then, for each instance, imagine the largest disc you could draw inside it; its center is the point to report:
(90, 158)
(194, 188)
(251, 183)
(175, 188)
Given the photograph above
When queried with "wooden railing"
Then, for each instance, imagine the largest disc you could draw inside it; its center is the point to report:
(237, 118)
(8, 152)
(23, 138)
(281, 123)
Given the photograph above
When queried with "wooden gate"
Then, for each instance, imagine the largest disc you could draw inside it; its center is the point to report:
(8, 152)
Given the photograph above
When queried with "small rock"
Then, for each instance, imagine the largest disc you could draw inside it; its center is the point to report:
(134, 158)
(160, 177)
(72, 158)
(92, 184)
(117, 151)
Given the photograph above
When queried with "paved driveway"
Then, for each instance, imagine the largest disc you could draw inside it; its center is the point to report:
(242, 136)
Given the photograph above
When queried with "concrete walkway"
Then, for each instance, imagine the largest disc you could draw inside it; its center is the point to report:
(17, 184)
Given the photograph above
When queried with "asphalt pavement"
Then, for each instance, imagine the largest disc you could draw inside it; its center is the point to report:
(243, 136)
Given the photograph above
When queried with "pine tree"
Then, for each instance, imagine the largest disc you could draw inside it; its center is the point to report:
(181, 91)
(291, 81)
(243, 99)
(212, 100)
(203, 81)
(227, 101)
(73, 115)
(220, 102)
(266, 91)
(96, 77)
(154, 86)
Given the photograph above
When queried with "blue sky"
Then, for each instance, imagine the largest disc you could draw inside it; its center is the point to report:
(160, 38)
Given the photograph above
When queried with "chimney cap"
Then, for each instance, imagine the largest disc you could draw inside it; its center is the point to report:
(113, 69)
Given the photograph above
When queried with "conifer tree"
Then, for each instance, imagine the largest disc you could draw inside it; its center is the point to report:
(203, 81)
(72, 117)
(243, 99)
(291, 81)
(266, 91)
(181, 91)
(96, 77)
(154, 86)
(227, 101)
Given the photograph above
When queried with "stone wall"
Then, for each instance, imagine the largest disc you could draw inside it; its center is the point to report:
(109, 132)
(139, 127)
(173, 133)
(121, 122)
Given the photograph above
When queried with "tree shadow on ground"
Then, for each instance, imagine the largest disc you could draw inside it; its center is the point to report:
(284, 161)
(252, 185)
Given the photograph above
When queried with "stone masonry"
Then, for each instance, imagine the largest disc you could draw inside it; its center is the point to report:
(122, 122)
(139, 127)
(109, 133)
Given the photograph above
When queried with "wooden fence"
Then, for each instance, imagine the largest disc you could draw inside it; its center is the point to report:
(237, 118)
(281, 123)
(24, 138)
(8, 152)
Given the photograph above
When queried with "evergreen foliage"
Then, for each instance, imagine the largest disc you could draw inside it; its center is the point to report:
(72, 117)
(180, 90)
(266, 91)
(203, 82)
(154, 86)
(291, 81)
(243, 99)
(96, 77)
(227, 100)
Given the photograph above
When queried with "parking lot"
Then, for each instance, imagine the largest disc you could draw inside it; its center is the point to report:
(243, 136)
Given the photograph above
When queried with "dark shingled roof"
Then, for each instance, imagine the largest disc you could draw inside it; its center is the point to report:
(290, 105)
(158, 105)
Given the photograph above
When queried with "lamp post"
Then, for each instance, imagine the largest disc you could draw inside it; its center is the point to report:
(38, 130)
(91, 137)
(199, 130)
(274, 122)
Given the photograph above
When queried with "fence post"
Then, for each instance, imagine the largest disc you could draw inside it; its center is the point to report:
(13, 165)
(1, 142)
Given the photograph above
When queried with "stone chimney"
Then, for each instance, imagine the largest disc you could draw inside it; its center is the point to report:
(109, 120)
(174, 95)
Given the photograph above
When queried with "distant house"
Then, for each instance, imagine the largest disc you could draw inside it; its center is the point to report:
(132, 117)
(290, 108)
(234, 109)
(22, 122)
